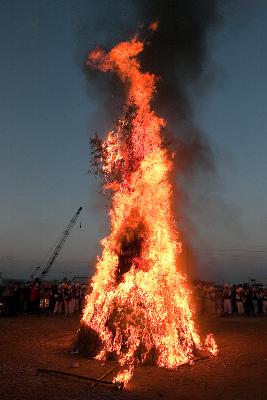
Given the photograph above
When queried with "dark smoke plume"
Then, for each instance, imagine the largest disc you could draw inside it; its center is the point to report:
(177, 53)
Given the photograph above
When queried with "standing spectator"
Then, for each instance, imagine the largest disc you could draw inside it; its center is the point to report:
(264, 301)
(233, 299)
(84, 290)
(239, 300)
(15, 299)
(47, 299)
(202, 299)
(35, 299)
(206, 299)
(27, 293)
(212, 300)
(41, 303)
(219, 301)
(249, 308)
(7, 299)
(77, 295)
(260, 304)
(58, 299)
(255, 299)
(52, 299)
(72, 298)
(21, 299)
(66, 298)
(227, 305)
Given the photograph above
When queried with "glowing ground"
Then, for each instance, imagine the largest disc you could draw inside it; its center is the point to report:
(27, 343)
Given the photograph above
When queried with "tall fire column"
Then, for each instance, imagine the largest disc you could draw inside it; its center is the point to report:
(140, 306)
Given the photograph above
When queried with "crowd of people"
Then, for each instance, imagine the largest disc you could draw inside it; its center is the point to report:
(227, 299)
(47, 298)
(43, 298)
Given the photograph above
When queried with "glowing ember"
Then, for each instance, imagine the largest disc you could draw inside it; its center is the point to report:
(140, 304)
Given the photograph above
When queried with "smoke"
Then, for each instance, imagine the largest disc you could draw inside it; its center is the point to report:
(103, 25)
(177, 53)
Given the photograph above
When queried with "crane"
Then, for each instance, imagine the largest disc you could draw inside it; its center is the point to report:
(58, 247)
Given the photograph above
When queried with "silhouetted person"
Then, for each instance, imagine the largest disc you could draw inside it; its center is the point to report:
(35, 299)
(249, 308)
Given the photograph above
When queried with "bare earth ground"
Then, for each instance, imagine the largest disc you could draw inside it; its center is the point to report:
(31, 342)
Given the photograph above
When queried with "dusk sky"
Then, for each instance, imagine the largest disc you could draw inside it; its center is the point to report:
(49, 110)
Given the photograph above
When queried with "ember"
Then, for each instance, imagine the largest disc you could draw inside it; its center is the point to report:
(140, 305)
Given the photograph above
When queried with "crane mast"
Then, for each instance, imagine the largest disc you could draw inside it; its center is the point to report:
(59, 246)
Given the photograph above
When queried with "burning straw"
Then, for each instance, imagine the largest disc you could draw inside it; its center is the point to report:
(140, 308)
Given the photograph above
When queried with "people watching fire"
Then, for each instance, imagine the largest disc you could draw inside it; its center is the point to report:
(227, 300)
(44, 298)
(47, 298)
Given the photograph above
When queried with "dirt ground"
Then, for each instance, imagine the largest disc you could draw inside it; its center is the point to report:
(239, 372)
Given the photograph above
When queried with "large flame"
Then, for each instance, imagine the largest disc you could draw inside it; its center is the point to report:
(140, 304)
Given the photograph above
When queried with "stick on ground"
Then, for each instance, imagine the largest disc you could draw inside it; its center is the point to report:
(103, 376)
(52, 371)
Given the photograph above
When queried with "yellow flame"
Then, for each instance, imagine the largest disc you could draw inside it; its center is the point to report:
(147, 312)
(211, 345)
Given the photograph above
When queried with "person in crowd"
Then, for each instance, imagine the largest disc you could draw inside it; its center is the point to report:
(219, 300)
(57, 295)
(26, 295)
(239, 300)
(84, 290)
(203, 299)
(67, 298)
(248, 303)
(72, 297)
(77, 296)
(264, 301)
(16, 297)
(206, 298)
(255, 300)
(233, 299)
(197, 291)
(45, 299)
(212, 300)
(35, 299)
(227, 304)
(6, 298)
(260, 303)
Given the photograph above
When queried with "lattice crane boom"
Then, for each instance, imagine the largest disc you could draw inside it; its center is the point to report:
(59, 245)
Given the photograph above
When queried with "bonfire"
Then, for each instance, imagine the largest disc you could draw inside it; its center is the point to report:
(140, 306)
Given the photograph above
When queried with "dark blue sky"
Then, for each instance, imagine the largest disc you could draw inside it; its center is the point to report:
(48, 110)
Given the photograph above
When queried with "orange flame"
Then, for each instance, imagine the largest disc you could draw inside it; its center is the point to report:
(144, 311)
